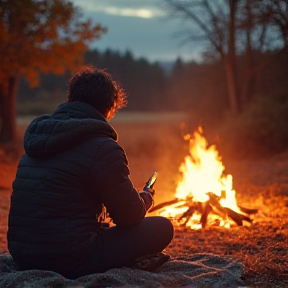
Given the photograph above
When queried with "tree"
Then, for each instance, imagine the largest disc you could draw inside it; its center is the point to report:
(263, 25)
(38, 36)
(216, 23)
(236, 29)
(278, 10)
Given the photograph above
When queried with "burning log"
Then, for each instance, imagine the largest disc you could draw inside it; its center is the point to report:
(188, 214)
(236, 217)
(248, 211)
(164, 204)
(216, 206)
(212, 205)
(204, 215)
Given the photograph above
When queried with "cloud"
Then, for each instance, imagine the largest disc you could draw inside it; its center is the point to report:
(142, 13)
(121, 8)
(149, 38)
(139, 26)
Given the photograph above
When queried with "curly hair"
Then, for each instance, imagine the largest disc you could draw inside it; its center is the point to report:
(96, 87)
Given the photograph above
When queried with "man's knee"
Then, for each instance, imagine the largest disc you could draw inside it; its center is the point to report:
(169, 228)
(164, 228)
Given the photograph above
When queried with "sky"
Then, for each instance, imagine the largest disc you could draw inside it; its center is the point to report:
(140, 26)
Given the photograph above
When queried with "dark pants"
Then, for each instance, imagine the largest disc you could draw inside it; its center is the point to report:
(121, 246)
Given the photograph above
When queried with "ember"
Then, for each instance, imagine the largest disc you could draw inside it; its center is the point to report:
(204, 196)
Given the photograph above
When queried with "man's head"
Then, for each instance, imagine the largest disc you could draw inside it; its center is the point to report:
(97, 88)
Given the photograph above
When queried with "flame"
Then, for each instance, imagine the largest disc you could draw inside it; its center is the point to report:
(202, 172)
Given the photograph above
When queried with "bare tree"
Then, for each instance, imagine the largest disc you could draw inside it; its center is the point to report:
(279, 14)
(264, 24)
(235, 29)
(217, 26)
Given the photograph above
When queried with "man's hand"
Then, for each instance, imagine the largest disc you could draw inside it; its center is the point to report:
(151, 191)
(147, 198)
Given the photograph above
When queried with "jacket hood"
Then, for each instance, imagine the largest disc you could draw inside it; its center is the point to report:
(70, 124)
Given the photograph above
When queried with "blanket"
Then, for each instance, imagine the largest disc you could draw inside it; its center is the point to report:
(193, 271)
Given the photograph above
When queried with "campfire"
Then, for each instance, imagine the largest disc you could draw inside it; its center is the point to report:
(204, 196)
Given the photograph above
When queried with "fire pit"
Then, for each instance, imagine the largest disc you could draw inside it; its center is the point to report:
(204, 196)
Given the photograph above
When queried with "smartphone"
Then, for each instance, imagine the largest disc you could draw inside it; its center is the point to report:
(149, 184)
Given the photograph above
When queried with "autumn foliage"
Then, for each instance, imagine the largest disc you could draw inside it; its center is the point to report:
(38, 36)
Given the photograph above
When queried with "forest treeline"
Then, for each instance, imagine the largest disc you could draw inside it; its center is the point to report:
(196, 88)
(199, 89)
(144, 83)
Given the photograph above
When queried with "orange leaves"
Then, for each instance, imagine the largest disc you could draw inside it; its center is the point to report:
(39, 36)
(43, 36)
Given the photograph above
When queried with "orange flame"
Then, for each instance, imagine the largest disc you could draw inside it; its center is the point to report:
(202, 172)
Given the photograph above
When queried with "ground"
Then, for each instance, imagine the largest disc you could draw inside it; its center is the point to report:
(261, 184)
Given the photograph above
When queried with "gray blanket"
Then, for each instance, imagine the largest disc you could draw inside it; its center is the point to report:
(195, 271)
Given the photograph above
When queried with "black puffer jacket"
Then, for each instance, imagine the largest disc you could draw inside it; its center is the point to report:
(72, 164)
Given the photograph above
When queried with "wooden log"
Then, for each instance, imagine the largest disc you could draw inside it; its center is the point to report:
(188, 213)
(213, 204)
(247, 210)
(241, 208)
(217, 208)
(235, 216)
(164, 204)
(204, 216)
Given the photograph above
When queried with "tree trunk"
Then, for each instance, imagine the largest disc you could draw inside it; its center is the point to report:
(248, 77)
(231, 85)
(248, 83)
(230, 61)
(8, 130)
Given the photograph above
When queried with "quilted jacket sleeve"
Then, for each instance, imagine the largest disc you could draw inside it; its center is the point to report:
(110, 176)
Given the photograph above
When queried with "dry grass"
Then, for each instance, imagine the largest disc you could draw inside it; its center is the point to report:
(263, 184)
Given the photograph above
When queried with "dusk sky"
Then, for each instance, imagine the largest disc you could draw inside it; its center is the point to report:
(140, 26)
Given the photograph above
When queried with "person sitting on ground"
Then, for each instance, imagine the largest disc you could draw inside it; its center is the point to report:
(72, 170)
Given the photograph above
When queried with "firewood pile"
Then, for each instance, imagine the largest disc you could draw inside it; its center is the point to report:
(211, 207)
